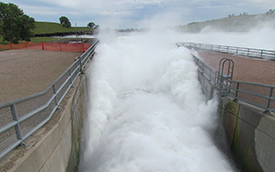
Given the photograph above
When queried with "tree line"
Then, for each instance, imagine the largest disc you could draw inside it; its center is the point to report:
(65, 22)
(16, 26)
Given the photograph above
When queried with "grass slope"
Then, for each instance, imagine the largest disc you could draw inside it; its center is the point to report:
(239, 23)
(49, 27)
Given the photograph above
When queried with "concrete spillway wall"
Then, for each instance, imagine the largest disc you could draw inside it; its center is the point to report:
(250, 133)
(56, 146)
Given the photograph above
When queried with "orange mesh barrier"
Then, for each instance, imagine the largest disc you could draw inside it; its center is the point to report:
(67, 47)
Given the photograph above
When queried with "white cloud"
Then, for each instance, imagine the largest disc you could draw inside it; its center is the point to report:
(34, 10)
(133, 11)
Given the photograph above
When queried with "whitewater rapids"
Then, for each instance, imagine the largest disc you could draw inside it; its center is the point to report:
(147, 111)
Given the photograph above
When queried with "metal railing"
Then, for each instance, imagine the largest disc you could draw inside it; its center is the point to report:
(259, 95)
(22, 117)
(249, 52)
(207, 71)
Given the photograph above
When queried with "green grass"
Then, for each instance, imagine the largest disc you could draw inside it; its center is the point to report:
(33, 39)
(45, 39)
(237, 23)
(49, 27)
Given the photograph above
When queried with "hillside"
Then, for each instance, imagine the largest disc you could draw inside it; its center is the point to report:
(239, 23)
(49, 28)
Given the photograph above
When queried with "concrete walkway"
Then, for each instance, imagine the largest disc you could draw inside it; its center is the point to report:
(246, 68)
(26, 72)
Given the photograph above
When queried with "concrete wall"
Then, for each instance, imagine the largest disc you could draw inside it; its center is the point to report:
(56, 146)
(206, 86)
(249, 132)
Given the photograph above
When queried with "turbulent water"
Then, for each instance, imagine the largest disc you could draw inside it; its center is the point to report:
(147, 111)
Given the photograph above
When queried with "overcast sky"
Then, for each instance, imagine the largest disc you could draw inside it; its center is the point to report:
(138, 13)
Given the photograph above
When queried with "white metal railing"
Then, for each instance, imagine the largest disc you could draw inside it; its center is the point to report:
(22, 117)
(249, 52)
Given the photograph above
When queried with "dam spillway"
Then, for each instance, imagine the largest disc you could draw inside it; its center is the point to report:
(147, 111)
(249, 131)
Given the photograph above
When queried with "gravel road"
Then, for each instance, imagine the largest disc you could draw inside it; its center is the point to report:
(26, 72)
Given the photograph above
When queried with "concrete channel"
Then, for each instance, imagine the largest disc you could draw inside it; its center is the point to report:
(56, 146)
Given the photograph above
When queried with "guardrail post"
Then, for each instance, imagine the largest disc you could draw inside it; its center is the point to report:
(237, 91)
(70, 75)
(80, 65)
(270, 95)
(210, 77)
(17, 127)
(203, 68)
(55, 98)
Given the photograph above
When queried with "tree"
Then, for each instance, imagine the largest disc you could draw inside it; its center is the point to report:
(65, 22)
(94, 27)
(91, 25)
(14, 24)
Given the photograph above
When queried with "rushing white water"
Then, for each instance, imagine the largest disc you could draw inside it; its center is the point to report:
(147, 111)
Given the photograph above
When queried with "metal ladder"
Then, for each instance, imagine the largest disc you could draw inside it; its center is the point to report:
(226, 69)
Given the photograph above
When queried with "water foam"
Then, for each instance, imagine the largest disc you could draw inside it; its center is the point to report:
(147, 112)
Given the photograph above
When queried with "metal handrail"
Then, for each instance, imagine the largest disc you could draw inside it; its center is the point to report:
(249, 52)
(249, 96)
(255, 98)
(207, 71)
(17, 123)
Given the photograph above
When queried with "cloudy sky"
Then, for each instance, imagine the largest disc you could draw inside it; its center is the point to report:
(137, 13)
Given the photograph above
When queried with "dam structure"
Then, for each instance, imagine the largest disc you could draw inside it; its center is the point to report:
(145, 104)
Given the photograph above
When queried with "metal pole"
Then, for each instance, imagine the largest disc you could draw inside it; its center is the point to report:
(76, 30)
(17, 126)
(70, 75)
(270, 95)
(59, 45)
(80, 64)
(210, 77)
(202, 68)
(43, 48)
(237, 91)
(54, 92)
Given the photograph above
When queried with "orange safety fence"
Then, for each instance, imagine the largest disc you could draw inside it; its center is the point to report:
(67, 47)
